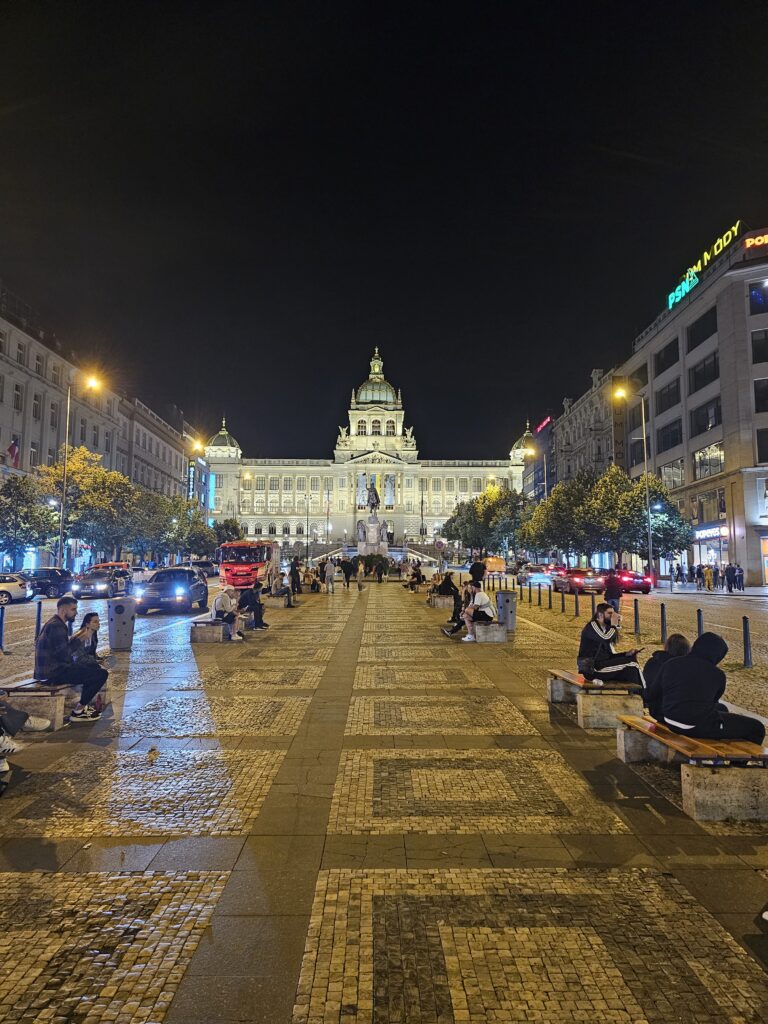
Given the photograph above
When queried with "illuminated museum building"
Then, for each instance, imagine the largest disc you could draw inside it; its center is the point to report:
(282, 497)
(702, 369)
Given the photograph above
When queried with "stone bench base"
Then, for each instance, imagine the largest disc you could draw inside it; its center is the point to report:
(210, 631)
(44, 705)
(441, 601)
(716, 794)
(632, 746)
(600, 710)
(275, 602)
(490, 632)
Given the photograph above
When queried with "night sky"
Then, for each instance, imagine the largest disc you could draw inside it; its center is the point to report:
(228, 205)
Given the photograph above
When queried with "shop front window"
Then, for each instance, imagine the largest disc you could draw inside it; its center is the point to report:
(708, 461)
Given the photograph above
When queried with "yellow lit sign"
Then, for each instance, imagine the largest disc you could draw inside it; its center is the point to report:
(690, 277)
(755, 240)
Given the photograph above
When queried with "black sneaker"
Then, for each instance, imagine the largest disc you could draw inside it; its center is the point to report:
(86, 714)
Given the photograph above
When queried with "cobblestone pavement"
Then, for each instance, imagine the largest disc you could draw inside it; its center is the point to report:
(350, 819)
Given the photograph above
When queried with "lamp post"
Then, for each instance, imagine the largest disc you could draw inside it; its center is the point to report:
(622, 393)
(306, 502)
(92, 384)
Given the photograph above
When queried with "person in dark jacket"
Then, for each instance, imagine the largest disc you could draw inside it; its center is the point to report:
(449, 589)
(691, 688)
(676, 647)
(598, 657)
(613, 590)
(250, 603)
(295, 576)
(54, 664)
(477, 571)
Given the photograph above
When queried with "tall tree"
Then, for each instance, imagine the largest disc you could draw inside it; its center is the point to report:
(25, 518)
(227, 530)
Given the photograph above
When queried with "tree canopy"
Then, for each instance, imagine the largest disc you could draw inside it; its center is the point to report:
(26, 520)
(490, 522)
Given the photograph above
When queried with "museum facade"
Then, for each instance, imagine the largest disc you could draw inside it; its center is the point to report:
(325, 499)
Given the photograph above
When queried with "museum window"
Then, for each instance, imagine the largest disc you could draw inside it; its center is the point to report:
(286, 529)
(463, 486)
(666, 397)
(376, 428)
(301, 483)
(666, 357)
(636, 453)
(449, 486)
(257, 531)
(758, 297)
(328, 483)
(706, 416)
(673, 474)
(390, 428)
(477, 485)
(21, 354)
(260, 483)
(669, 436)
(274, 483)
(300, 530)
(761, 395)
(708, 461)
(702, 329)
(314, 483)
(83, 431)
(436, 483)
(95, 436)
(362, 429)
(247, 482)
(287, 483)
(760, 346)
(56, 374)
(409, 503)
(409, 483)
(39, 365)
(703, 373)
(34, 454)
(272, 530)
(36, 403)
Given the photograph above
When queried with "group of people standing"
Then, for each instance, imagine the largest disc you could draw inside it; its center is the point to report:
(681, 686)
(712, 577)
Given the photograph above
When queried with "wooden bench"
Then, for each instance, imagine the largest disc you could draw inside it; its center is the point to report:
(721, 779)
(598, 704)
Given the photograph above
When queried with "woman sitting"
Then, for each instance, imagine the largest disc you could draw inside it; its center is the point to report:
(598, 658)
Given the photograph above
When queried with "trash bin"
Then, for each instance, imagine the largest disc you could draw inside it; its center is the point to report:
(122, 617)
(506, 608)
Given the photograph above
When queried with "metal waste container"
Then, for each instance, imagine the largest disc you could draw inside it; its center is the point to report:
(122, 618)
(506, 608)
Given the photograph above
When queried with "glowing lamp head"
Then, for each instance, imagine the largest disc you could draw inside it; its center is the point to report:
(620, 393)
(92, 383)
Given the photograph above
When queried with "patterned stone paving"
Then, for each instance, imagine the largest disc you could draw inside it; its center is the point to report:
(464, 791)
(254, 679)
(194, 714)
(461, 946)
(427, 716)
(96, 792)
(303, 655)
(447, 652)
(368, 677)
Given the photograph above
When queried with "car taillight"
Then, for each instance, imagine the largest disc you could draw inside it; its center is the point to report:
(625, 579)
(647, 579)
(598, 579)
(577, 579)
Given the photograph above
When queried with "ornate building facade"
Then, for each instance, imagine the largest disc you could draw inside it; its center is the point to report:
(325, 498)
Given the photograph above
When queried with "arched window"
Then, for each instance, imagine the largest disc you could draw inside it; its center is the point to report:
(257, 531)
(244, 528)
(376, 427)
(286, 529)
(272, 530)
(300, 530)
(362, 429)
(390, 428)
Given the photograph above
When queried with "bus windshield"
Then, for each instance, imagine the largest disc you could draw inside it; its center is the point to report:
(246, 554)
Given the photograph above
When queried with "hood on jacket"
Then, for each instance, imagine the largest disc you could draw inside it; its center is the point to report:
(711, 647)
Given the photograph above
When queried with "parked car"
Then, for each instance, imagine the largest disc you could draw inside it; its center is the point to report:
(50, 582)
(534, 574)
(140, 574)
(206, 565)
(579, 581)
(494, 565)
(176, 588)
(101, 583)
(631, 580)
(13, 587)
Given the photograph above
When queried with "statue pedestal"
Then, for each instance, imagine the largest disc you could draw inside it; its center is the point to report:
(373, 544)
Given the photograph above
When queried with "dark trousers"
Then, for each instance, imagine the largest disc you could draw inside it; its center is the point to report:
(295, 585)
(618, 668)
(90, 678)
(725, 725)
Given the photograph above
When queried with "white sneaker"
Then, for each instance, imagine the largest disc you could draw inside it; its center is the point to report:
(8, 745)
(468, 639)
(4, 766)
(36, 724)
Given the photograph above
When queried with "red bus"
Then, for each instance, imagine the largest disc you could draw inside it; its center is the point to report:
(242, 562)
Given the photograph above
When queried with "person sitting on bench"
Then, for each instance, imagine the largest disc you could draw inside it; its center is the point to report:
(280, 588)
(224, 610)
(691, 688)
(447, 588)
(598, 657)
(54, 664)
(676, 647)
(479, 609)
(251, 605)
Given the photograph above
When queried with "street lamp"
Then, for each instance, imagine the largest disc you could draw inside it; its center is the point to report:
(306, 502)
(623, 394)
(91, 384)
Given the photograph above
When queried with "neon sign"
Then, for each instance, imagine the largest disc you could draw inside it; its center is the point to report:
(750, 243)
(543, 424)
(690, 278)
(710, 532)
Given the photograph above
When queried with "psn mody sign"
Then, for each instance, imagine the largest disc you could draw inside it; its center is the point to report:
(690, 277)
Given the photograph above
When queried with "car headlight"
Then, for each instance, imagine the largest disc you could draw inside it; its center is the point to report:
(75, 586)
(140, 592)
(181, 591)
(101, 586)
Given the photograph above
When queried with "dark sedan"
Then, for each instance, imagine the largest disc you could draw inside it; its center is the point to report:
(174, 589)
(579, 581)
(100, 583)
(634, 581)
(50, 582)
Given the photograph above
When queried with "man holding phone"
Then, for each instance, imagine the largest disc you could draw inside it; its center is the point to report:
(598, 658)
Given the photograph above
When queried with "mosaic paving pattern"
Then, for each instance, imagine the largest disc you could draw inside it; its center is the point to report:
(461, 946)
(443, 652)
(304, 655)
(98, 947)
(374, 677)
(99, 792)
(428, 716)
(254, 679)
(464, 791)
(196, 714)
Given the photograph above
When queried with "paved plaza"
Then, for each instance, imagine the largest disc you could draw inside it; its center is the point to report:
(351, 819)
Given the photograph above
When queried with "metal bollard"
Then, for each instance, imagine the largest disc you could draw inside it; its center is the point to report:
(592, 595)
(637, 617)
(38, 619)
(520, 585)
(663, 610)
(747, 641)
(562, 601)
(576, 603)
(539, 586)
(549, 603)
(2, 626)
(699, 622)
(530, 593)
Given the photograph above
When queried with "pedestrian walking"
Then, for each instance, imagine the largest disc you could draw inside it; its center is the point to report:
(613, 590)
(379, 572)
(346, 571)
(739, 577)
(730, 577)
(295, 576)
(708, 577)
(699, 576)
(330, 572)
(715, 575)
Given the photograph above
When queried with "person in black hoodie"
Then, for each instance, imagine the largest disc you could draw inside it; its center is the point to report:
(691, 690)
(676, 647)
(449, 589)
(599, 659)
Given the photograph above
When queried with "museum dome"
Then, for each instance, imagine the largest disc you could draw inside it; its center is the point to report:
(223, 439)
(376, 389)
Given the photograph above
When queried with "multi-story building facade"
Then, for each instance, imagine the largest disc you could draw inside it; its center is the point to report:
(701, 369)
(325, 498)
(151, 452)
(582, 438)
(539, 471)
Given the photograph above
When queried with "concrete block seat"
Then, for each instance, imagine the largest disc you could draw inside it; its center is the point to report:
(205, 630)
(40, 698)
(490, 632)
(441, 601)
(269, 601)
(598, 704)
(721, 779)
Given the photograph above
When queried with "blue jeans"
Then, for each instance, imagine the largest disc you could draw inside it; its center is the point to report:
(613, 602)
